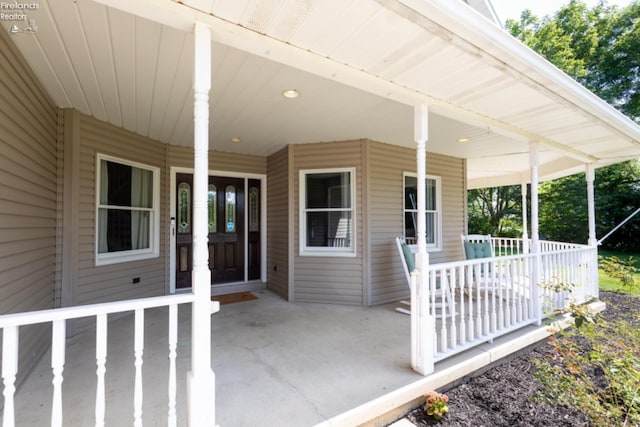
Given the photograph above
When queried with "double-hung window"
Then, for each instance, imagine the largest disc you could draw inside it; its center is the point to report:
(433, 199)
(327, 212)
(127, 211)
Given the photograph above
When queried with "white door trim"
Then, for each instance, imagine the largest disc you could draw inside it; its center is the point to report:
(173, 170)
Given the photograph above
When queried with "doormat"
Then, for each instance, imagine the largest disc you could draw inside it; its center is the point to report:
(236, 297)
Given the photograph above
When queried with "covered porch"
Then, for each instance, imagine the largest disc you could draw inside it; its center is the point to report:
(285, 363)
(276, 363)
(148, 68)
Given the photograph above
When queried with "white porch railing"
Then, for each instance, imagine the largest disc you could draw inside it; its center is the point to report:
(11, 323)
(490, 297)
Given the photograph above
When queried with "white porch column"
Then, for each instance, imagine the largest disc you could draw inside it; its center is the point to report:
(422, 321)
(525, 225)
(201, 379)
(590, 176)
(421, 128)
(534, 160)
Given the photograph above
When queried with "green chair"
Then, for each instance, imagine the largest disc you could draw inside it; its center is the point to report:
(408, 265)
(480, 246)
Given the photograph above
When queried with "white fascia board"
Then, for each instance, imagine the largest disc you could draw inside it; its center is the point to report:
(462, 22)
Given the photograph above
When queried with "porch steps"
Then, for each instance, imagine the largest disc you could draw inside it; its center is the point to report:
(391, 407)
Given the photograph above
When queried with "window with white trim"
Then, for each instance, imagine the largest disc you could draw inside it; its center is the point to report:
(127, 211)
(433, 201)
(327, 212)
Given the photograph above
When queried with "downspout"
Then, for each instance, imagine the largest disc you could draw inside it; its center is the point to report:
(593, 241)
(534, 160)
(201, 379)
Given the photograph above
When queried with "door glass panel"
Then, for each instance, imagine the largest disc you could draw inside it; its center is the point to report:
(184, 259)
(230, 209)
(211, 203)
(254, 204)
(184, 208)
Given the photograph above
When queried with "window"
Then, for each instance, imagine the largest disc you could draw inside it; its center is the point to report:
(327, 212)
(127, 209)
(433, 210)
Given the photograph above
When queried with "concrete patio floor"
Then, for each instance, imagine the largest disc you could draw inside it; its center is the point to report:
(276, 364)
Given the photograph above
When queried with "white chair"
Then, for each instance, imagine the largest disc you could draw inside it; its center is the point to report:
(408, 265)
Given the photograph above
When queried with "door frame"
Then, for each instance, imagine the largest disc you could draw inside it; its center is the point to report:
(173, 170)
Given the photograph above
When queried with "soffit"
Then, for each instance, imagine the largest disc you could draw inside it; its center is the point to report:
(360, 66)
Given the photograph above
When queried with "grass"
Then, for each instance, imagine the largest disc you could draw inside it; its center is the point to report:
(613, 285)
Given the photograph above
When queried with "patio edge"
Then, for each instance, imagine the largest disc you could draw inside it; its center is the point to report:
(392, 406)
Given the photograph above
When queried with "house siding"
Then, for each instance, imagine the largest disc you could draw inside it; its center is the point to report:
(329, 279)
(386, 165)
(28, 199)
(85, 137)
(278, 223)
(218, 161)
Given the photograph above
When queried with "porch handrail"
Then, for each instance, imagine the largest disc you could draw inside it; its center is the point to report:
(10, 324)
(494, 296)
(90, 310)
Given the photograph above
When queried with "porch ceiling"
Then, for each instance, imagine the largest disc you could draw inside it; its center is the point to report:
(359, 65)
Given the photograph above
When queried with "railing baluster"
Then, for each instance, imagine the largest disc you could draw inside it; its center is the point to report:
(58, 337)
(9, 372)
(101, 360)
(450, 281)
(459, 273)
(173, 340)
(138, 350)
(471, 325)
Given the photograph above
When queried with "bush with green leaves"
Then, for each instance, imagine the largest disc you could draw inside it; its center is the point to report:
(596, 369)
(622, 270)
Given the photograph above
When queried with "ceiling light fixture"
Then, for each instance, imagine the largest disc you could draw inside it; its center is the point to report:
(291, 93)
(464, 139)
(235, 139)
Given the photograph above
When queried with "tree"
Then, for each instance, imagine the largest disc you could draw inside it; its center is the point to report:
(600, 48)
(496, 211)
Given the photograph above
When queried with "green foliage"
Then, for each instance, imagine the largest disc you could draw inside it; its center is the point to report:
(607, 283)
(622, 270)
(496, 211)
(597, 47)
(596, 369)
(436, 404)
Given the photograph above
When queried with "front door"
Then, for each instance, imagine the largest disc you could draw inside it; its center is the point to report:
(226, 229)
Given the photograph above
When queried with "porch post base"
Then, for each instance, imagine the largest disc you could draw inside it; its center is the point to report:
(201, 399)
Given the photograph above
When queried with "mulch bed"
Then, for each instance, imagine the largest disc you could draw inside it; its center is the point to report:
(502, 396)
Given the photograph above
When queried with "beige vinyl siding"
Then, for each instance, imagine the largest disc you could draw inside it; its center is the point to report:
(28, 199)
(329, 279)
(278, 223)
(386, 165)
(218, 161)
(94, 284)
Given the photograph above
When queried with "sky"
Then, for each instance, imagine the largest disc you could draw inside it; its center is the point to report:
(512, 8)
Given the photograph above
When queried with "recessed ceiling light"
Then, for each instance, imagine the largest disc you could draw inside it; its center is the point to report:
(235, 139)
(464, 139)
(291, 93)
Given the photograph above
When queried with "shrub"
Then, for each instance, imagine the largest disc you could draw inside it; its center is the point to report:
(619, 269)
(436, 404)
(596, 369)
